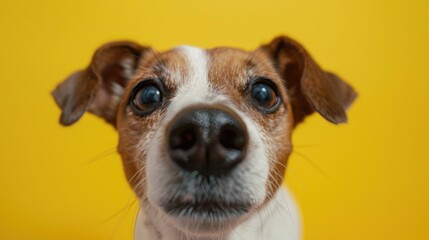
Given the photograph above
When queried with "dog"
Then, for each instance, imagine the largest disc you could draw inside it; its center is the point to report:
(205, 134)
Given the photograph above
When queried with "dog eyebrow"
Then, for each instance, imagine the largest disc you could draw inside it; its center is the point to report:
(161, 71)
(159, 67)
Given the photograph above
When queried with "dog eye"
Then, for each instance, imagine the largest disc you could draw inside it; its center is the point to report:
(265, 97)
(146, 99)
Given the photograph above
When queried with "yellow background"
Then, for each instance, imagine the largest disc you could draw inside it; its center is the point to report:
(364, 180)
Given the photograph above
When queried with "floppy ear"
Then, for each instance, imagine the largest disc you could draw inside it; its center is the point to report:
(99, 87)
(310, 88)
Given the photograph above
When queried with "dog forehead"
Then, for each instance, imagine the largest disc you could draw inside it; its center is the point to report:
(219, 66)
(222, 68)
(218, 63)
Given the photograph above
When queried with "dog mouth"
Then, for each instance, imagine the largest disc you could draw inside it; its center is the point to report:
(213, 209)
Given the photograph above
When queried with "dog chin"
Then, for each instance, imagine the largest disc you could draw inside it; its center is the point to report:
(205, 224)
(206, 219)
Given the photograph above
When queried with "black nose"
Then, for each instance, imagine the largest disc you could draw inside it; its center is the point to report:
(208, 140)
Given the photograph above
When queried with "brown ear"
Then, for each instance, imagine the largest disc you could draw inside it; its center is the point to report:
(310, 88)
(98, 88)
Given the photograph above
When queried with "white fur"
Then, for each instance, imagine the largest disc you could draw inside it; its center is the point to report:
(196, 85)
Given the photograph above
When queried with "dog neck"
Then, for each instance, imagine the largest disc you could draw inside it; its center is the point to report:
(278, 220)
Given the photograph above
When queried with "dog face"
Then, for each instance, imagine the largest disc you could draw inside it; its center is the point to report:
(204, 135)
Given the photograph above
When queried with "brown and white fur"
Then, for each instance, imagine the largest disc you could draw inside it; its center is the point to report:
(218, 78)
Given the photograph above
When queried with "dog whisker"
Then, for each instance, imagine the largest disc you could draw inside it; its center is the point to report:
(102, 155)
(313, 164)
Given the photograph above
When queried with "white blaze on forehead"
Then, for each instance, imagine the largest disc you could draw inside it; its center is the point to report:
(196, 86)
(197, 63)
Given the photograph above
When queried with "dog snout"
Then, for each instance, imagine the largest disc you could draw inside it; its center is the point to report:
(211, 141)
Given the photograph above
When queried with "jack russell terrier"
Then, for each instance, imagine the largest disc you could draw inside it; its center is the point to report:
(205, 134)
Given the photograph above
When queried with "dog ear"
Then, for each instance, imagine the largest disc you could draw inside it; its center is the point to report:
(310, 88)
(98, 88)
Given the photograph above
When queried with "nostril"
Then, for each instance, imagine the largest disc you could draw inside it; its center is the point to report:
(184, 138)
(231, 138)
